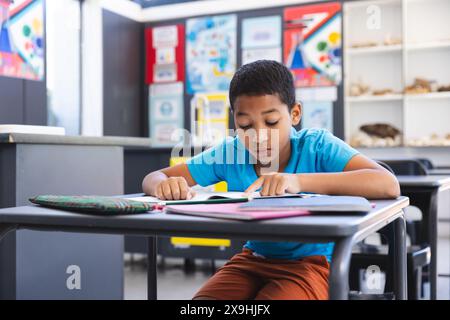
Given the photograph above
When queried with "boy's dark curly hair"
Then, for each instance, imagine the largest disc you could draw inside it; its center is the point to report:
(263, 77)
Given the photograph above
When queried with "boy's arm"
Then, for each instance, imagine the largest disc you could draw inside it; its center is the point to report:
(169, 183)
(361, 177)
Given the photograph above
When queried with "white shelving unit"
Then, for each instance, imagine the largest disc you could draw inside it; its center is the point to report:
(374, 49)
(428, 45)
(421, 30)
(374, 98)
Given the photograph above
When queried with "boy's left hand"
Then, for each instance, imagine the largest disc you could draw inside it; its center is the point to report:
(276, 184)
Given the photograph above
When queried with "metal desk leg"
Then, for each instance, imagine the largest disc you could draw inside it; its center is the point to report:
(5, 229)
(151, 268)
(8, 267)
(426, 201)
(400, 268)
(433, 232)
(340, 266)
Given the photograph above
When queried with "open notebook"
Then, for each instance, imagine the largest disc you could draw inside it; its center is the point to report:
(231, 211)
(213, 198)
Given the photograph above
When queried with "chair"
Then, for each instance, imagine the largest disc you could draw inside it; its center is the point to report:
(418, 255)
(407, 167)
(427, 163)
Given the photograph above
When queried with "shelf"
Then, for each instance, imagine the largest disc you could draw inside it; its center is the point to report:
(398, 47)
(395, 97)
(372, 98)
(431, 95)
(428, 45)
(375, 49)
(423, 52)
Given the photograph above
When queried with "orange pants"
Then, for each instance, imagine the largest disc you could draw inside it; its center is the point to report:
(247, 277)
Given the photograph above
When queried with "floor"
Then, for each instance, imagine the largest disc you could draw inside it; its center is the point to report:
(171, 274)
(176, 283)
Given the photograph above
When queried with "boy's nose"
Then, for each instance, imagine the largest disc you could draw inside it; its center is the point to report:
(262, 135)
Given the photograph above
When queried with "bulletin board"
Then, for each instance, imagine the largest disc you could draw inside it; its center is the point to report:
(211, 48)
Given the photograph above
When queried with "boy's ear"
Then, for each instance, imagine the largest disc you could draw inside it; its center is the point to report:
(296, 113)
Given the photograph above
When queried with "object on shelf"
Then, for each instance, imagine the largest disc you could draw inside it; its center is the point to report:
(391, 41)
(366, 44)
(421, 85)
(443, 88)
(376, 135)
(382, 92)
(380, 130)
(358, 89)
(434, 140)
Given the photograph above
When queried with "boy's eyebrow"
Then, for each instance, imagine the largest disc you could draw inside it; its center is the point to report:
(270, 110)
(264, 112)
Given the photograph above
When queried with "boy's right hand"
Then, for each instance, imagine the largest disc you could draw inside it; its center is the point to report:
(174, 188)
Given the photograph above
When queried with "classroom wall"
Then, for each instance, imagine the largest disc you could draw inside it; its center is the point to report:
(123, 76)
(212, 7)
(92, 65)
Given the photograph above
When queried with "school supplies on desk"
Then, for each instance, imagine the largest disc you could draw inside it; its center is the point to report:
(231, 211)
(199, 198)
(213, 198)
(314, 204)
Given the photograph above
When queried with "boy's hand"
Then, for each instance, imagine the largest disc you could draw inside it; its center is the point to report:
(174, 188)
(276, 184)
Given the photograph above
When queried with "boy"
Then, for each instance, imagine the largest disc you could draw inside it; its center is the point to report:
(262, 98)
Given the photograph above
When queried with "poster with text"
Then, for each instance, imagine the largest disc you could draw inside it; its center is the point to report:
(250, 55)
(166, 114)
(210, 53)
(261, 32)
(312, 44)
(22, 39)
(318, 115)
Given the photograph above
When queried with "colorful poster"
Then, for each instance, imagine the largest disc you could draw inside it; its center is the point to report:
(211, 118)
(164, 54)
(318, 115)
(250, 55)
(166, 114)
(262, 32)
(312, 44)
(210, 53)
(22, 39)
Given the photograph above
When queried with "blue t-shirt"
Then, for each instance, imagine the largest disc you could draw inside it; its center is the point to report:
(312, 150)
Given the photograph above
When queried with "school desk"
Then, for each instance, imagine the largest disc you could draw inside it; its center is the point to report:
(423, 193)
(439, 172)
(344, 230)
(35, 264)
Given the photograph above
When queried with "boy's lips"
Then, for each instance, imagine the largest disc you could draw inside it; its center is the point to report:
(264, 152)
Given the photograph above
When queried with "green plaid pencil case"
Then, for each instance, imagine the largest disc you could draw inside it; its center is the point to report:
(93, 204)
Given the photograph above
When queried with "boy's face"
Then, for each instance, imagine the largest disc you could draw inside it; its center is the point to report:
(264, 125)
